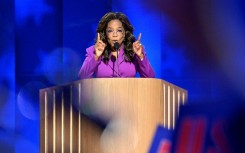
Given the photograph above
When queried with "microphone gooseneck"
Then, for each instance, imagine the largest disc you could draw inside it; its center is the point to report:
(116, 47)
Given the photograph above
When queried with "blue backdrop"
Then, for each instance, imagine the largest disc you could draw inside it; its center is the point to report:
(197, 45)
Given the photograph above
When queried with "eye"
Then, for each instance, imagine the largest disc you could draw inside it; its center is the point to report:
(109, 31)
(120, 31)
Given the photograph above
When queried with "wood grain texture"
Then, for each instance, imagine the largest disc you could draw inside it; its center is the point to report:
(129, 109)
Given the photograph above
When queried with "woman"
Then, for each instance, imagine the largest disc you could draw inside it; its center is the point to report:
(102, 60)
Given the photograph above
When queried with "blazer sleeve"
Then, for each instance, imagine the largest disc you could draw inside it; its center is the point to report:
(89, 65)
(144, 67)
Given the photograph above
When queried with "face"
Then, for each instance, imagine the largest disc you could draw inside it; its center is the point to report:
(115, 32)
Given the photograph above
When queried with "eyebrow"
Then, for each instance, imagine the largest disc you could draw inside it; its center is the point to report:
(116, 28)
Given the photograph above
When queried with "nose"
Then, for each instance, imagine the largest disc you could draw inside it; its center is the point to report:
(114, 33)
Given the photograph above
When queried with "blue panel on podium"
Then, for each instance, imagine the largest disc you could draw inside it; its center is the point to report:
(162, 140)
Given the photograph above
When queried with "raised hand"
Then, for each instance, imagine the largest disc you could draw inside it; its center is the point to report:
(99, 47)
(137, 46)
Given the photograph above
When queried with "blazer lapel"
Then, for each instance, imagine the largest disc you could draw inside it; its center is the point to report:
(120, 56)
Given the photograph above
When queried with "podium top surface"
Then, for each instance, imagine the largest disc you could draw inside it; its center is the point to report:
(113, 80)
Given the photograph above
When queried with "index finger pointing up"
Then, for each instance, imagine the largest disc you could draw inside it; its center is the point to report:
(98, 36)
(139, 37)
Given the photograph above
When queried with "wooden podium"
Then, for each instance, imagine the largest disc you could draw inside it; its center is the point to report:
(107, 115)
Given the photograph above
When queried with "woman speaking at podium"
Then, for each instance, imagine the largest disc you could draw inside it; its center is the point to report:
(116, 52)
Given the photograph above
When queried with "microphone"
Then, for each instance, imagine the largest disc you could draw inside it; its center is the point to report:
(116, 47)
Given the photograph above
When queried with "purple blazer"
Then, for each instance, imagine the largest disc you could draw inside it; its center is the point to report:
(100, 69)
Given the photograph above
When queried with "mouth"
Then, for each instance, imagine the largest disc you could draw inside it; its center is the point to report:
(114, 41)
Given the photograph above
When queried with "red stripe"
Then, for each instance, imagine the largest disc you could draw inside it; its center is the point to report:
(199, 135)
(184, 135)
